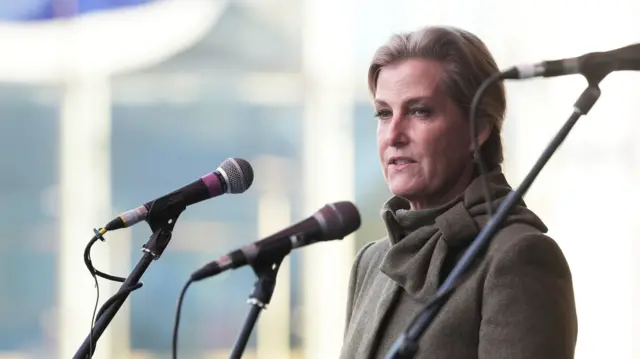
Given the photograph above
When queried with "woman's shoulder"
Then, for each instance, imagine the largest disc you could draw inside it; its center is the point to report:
(516, 236)
(527, 248)
(367, 261)
(372, 253)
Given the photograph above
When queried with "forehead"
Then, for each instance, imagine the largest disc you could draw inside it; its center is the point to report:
(408, 79)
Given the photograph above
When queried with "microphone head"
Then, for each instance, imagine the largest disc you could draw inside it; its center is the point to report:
(338, 219)
(238, 173)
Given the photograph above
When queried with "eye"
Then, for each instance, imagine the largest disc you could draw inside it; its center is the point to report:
(382, 114)
(421, 111)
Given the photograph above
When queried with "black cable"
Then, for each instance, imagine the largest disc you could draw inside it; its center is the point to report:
(474, 138)
(176, 322)
(92, 271)
(89, 264)
(116, 297)
(95, 308)
(95, 274)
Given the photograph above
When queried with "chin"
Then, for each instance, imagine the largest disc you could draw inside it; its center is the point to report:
(406, 191)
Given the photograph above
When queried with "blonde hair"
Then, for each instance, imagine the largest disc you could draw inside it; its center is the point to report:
(467, 63)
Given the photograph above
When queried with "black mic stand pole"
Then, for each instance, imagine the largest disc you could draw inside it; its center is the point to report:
(406, 346)
(162, 218)
(266, 271)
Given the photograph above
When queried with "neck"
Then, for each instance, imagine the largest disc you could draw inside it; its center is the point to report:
(448, 192)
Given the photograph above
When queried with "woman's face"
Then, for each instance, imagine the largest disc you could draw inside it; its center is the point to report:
(423, 139)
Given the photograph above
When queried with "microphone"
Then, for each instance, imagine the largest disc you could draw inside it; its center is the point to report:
(333, 221)
(234, 175)
(594, 66)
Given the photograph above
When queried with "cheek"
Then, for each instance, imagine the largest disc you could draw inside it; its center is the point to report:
(451, 149)
(434, 144)
(444, 146)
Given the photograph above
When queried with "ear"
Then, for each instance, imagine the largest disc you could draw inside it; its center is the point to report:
(482, 133)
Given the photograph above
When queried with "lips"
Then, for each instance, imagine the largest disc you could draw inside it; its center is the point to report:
(401, 161)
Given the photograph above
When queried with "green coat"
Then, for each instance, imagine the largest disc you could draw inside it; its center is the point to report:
(516, 302)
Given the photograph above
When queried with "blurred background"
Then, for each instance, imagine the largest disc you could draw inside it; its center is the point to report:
(105, 104)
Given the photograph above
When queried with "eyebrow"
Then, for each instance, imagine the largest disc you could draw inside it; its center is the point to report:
(410, 101)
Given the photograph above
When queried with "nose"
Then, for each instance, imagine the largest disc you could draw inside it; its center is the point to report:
(397, 132)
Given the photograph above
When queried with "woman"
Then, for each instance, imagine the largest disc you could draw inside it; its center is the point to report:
(517, 300)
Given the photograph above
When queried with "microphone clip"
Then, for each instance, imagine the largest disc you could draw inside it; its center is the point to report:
(263, 288)
(162, 217)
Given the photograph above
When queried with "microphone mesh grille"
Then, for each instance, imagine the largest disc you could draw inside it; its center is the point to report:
(239, 173)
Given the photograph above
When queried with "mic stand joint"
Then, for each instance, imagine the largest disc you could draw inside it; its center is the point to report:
(266, 272)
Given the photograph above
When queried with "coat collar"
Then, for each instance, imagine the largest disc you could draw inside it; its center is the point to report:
(425, 242)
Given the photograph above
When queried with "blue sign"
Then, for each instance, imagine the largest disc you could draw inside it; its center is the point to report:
(42, 10)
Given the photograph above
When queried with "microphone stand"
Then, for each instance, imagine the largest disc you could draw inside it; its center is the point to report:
(162, 217)
(406, 346)
(266, 272)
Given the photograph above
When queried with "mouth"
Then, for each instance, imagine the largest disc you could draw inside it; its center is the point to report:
(400, 162)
